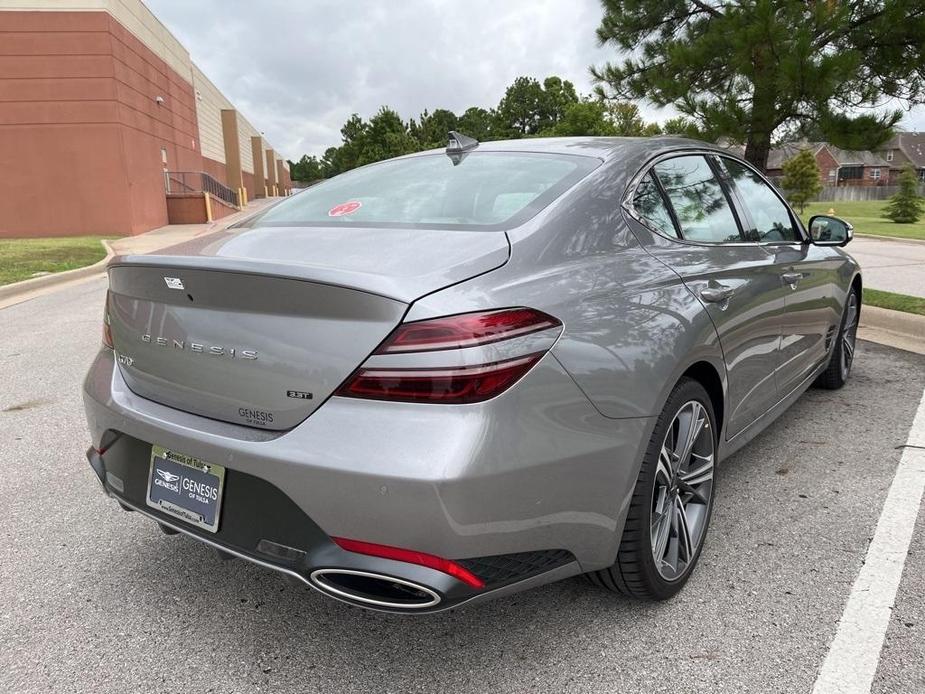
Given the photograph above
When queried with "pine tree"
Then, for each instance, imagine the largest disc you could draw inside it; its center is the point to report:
(906, 206)
(750, 68)
(801, 178)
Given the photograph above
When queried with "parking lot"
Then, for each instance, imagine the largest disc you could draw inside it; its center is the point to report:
(98, 600)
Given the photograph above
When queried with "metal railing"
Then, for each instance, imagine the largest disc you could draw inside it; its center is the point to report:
(197, 182)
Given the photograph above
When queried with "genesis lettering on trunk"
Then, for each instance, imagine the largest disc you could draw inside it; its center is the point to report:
(200, 348)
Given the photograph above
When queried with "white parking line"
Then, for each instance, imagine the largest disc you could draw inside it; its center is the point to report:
(851, 662)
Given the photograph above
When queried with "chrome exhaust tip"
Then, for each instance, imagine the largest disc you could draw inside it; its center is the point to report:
(374, 590)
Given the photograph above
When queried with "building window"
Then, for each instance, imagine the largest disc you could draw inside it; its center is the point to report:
(831, 174)
(889, 155)
(851, 173)
(875, 174)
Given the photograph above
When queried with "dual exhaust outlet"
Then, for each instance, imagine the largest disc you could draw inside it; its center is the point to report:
(374, 589)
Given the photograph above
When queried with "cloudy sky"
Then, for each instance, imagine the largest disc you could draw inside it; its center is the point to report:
(297, 70)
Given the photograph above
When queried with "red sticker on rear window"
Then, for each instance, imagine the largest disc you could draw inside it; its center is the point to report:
(345, 208)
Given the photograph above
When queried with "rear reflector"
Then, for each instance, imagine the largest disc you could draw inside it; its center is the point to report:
(411, 557)
(466, 330)
(459, 385)
(107, 332)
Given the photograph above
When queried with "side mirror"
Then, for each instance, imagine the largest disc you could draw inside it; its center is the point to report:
(829, 231)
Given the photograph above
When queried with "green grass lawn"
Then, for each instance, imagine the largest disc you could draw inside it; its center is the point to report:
(896, 302)
(867, 218)
(20, 259)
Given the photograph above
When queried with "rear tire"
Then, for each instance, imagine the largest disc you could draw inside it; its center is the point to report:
(670, 510)
(839, 367)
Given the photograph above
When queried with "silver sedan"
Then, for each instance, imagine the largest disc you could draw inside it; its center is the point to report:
(462, 373)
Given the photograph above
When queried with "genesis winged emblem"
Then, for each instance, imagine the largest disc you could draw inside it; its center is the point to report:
(167, 476)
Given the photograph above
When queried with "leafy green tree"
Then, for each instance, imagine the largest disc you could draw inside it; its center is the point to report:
(745, 69)
(560, 95)
(583, 118)
(476, 122)
(801, 178)
(431, 129)
(628, 121)
(386, 135)
(306, 169)
(522, 109)
(906, 206)
(528, 107)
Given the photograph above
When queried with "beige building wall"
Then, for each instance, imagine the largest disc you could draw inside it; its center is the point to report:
(209, 105)
(246, 132)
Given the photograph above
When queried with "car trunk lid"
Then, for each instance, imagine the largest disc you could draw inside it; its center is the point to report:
(230, 327)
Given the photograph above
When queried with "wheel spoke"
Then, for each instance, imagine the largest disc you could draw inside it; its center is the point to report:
(663, 469)
(693, 481)
(661, 529)
(849, 346)
(690, 427)
(685, 540)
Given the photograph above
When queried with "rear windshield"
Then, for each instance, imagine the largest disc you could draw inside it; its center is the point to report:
(485, 191)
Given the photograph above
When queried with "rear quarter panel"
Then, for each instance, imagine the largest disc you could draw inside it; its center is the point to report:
(631, 327)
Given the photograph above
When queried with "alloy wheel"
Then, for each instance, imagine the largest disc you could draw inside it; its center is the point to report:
(683, 491)
(849, 334)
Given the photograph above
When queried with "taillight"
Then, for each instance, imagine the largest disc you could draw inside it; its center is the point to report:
(410, 556)
(107, 331)
(466, 330)
(497, 354)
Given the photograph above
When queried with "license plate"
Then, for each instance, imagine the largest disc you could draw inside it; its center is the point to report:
(187, 488)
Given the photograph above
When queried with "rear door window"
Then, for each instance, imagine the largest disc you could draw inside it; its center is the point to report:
(699, 200)
(484, 191)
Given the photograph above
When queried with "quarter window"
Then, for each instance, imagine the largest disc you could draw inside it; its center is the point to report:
(770, 216)
(699, 201)
(650, 205)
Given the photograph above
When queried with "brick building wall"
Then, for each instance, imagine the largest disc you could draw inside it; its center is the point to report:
(91, 115)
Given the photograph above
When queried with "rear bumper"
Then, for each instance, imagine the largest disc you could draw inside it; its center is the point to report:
(534, 471)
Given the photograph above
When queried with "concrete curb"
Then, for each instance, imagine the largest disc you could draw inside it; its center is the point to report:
(30, 285)
(894, 328)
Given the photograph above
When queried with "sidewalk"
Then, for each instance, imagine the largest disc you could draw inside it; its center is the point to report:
(891, 265)
(148, 242)
(172, 234)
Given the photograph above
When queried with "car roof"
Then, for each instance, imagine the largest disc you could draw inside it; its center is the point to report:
(600, 147)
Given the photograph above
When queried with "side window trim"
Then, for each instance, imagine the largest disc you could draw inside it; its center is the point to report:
(667, 201)
(794, 218)
(739, 212)
(648, 169)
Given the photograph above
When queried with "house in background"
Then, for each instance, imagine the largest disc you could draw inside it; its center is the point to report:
(902, 149)
(837, 166)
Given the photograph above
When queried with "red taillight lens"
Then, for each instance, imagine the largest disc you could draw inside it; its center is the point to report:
(466, 330)
(411, 557)
(462, 385)
(107, 332)
(445, 378)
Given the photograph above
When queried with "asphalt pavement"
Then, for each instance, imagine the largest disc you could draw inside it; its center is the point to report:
(98, 600)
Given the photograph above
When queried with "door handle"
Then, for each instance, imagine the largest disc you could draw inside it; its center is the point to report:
(791, 278)
(717, 294)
